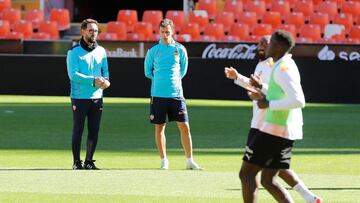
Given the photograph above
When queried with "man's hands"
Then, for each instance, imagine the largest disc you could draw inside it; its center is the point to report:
(255, 81)
(231, 73)
(256, 94)
(101, 82)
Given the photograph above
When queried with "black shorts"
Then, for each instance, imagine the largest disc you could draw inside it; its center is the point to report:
(268, 151)
(251, 135)
(174, 108)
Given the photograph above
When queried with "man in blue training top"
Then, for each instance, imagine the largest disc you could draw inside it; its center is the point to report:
(166, 64)
(87, 68)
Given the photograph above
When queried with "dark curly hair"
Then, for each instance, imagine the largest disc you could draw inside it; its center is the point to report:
(284, 38)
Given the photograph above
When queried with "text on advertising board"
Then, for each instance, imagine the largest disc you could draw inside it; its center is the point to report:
(240, 51)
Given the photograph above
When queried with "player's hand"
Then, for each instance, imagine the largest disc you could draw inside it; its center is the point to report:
(255, 81)
(99, 81)
(263, 103)
(255, 93)
(106, 84)
(231, 73)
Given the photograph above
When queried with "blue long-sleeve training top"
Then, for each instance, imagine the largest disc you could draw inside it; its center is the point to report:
(83, 65)
(166, 65)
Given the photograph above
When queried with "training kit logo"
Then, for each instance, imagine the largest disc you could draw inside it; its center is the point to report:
(152, 117)
(74, 108)
(176, 55)
(325, 54)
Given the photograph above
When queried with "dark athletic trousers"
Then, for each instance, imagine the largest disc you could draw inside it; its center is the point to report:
(92, 110)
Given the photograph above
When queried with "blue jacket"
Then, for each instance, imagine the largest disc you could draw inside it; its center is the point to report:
(83, 65)
(166, 65)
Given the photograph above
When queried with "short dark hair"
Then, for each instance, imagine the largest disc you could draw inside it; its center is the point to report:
(165, 22)
(86, 22)
(284, 38)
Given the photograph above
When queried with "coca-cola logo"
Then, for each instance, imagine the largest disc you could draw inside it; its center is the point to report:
(240, 51)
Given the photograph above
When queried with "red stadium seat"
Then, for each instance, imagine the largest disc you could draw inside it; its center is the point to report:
(61, 16)
(144, 28)
(12, 15)
(327, 41)
(154, 17)
(24, 27)
(5, 4)
(280, 6)
(108, 36)
(14, 35)
(225, 18)
(205, 38)
(4, 28)
(289, 28)
(354, 32)
(352, 7)
(40, 36)
(35, 16)
(216, 30)
(136, 37)
(119, 28)
(210, 6)
(304, 40)
(328, 7)
(249, 18)
(49, 27)
(234, 6)
(261, 29)
(231, 38)
(351, 41)
(272, 18)
(305, 7)
(192, 29)
(321, 19)
(200, 17)
(295, 18)
(338, 2)
(178, 17)
(183, 38)
(242, 31)
(311, 31)
(345, 19)
(252, 38)
(129, 17)
(257, 6)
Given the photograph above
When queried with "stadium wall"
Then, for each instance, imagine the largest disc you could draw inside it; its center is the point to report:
(323, 81)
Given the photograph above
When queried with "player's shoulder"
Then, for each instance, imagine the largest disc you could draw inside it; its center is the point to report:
(179, 45)
(74, 47)
(153, 46)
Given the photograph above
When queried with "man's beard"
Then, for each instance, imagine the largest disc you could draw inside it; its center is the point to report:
(91, 39)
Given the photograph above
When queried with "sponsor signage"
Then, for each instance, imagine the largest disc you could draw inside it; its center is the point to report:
(330, 53)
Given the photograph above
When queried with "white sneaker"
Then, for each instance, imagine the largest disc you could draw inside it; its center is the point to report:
(164, 164)
(191, 165)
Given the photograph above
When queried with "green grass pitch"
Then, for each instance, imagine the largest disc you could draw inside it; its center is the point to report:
(35, 153)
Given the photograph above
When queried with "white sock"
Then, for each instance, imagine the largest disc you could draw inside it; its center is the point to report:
(190, 159)
(164, 159)
(304, 192)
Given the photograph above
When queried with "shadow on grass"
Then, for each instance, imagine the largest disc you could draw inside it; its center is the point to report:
(311, 188)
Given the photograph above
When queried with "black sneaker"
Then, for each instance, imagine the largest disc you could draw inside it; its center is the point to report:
(77, 165)
(89, 165)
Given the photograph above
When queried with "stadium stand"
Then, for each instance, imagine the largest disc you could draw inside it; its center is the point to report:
(4, 28)
(62, 17)
(119, 28)
(24, 27)
(154, 17)
(35, 16)
(222, 20)
(129, 17)
(178, 17)
(5, 4)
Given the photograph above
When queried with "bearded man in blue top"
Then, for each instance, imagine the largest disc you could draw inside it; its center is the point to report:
(88, 72)
(165, 65)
